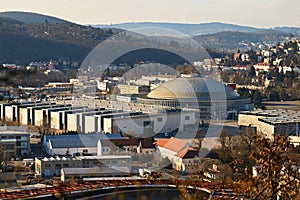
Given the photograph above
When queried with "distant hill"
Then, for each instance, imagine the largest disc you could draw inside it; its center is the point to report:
(229, 40)
(202, 28)
(190, 29)
(26, 37)
(290, 30)
(31, 18)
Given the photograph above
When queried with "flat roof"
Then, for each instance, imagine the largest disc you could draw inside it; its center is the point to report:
(106, 157)
(277, 116)
(55, 106)
(79, 140)
(14, 130)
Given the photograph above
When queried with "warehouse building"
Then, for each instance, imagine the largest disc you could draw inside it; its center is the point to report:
(270, 122)
(147, 125)
(53, 166)
(71, 144)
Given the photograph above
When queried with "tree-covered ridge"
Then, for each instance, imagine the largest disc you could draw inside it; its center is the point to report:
(21, 43)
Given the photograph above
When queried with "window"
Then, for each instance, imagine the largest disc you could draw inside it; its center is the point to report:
(18, 137)
(159, 119)
(18, 143)
(187, 117)
(66, 165)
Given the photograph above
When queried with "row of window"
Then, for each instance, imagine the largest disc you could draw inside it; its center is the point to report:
(159, 119)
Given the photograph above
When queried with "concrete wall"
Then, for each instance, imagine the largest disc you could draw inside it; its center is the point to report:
(8, 113)
(54, 121)
(165, 122)
(23, 116)
(53, 167)
(38, 119)
(62, 151)
(247, 120)
(266, 129)
(72, 122)
(90, 124)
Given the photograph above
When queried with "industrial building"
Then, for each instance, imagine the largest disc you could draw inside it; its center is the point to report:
(53, 166)
(83, 119)
(133, 89)
(14, 142)
(71, 144)
(143, 124)
(80, 173)
(270, 122)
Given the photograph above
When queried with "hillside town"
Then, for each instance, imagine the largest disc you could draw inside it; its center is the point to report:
(222, 125)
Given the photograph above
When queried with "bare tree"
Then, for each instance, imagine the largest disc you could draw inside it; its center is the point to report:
(277, 175)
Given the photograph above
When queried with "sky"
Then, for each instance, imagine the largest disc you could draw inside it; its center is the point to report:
(257, 13)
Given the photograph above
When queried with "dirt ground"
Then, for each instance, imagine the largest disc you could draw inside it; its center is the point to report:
(286, 105)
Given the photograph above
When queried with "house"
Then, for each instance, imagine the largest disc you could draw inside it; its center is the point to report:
(113, 146)
(182, 156)
(146, 147)
(263, 67)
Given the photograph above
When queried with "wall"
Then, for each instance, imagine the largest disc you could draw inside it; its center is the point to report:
(165, 122)
(90, 125)
(72, 122)
(247, 120)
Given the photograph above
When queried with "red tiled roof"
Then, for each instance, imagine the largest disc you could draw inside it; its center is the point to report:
(161, 142)
(172, 144)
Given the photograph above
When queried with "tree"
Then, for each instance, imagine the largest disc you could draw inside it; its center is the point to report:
(257, 98)
(252, 72)
(277, 177)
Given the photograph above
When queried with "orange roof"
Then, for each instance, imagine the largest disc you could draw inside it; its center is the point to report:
(161, 142)
(172, 144)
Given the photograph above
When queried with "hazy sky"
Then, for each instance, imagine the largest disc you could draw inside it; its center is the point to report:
(259, 13)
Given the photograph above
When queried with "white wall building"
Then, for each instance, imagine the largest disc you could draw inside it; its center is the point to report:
(152, 123)
(179, 152)
(74, 144)
(270, 122)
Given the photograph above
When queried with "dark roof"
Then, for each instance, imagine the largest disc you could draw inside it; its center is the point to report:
(120, 142)
(79, 140)
(188, 153)
(147, 144)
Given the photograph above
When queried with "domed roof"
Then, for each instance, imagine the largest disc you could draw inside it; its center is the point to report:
(197, 88)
